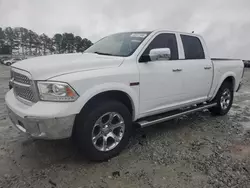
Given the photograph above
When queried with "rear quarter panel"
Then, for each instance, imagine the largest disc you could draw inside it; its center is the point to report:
(224, 69)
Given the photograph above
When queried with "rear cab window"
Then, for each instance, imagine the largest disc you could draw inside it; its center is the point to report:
(192, 46)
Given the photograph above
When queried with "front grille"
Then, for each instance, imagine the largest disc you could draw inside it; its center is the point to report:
(20, 78)
(22, 85)
(24, 92)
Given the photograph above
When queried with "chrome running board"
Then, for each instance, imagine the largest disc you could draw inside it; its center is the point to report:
(144, 122)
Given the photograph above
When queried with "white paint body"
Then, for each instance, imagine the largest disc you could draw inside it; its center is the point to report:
(159, 90)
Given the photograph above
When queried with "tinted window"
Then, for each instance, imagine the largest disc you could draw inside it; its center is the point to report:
(164, 40)
(192, 47)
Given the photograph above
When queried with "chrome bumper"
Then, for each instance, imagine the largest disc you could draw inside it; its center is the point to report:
(43, 128)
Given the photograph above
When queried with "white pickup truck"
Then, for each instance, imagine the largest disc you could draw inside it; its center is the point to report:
(141, 77)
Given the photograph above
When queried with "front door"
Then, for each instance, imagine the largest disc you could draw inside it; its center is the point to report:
(161, 82)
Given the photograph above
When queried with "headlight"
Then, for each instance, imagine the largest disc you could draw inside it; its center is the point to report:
(56, 91)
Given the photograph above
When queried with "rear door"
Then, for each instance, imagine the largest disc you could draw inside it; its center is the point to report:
(197, 69)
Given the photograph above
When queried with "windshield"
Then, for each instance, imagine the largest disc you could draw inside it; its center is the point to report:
(120, 44)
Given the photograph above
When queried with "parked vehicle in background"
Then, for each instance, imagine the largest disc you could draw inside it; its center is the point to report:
(2, 59)
(143, 77)
(11, 61)
(246, 63)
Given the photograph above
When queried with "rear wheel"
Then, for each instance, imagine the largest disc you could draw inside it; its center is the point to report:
(224, 99)
(103, 131)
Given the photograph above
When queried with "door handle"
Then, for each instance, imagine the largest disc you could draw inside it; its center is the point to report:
(207, 68)
(177, 70)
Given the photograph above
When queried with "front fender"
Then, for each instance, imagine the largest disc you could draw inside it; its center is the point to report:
(132, 92)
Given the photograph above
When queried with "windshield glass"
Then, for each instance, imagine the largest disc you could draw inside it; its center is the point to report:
(120, 44)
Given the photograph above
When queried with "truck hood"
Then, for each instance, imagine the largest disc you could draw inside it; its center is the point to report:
(46, 67)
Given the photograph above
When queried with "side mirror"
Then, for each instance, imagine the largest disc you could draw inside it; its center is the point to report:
(158, 54)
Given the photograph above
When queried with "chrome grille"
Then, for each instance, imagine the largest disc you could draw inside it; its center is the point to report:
(23, 86)
(24, 92)
(20, 78)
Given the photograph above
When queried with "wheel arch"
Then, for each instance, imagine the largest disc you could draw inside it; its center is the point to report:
(113, 94)
(229, 77)
(127, 95)
(231, 80)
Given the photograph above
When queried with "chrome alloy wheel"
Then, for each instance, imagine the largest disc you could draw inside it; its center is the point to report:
(225, 99)
(108, 131)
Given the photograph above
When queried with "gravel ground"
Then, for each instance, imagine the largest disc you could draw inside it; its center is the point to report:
(197, 150)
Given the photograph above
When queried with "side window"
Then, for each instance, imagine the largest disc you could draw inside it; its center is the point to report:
(192, 47)
(164, 40)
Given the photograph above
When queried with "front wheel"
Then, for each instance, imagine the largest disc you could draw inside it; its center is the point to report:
(103, 131)
(224, 99)
(8, 64)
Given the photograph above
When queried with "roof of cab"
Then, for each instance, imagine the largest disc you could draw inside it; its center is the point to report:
(171, 31)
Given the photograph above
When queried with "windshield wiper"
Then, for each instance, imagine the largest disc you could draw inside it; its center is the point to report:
(101, 53)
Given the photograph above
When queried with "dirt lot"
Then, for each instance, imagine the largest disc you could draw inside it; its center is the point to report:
(198, 150)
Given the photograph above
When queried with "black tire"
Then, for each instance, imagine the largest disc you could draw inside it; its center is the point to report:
(8, 63)
(84, 126)
(219, 109)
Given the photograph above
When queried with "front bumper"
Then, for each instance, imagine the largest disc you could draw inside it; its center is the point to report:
(36, 121)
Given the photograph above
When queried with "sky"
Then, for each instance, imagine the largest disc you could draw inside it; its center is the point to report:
(225, 24)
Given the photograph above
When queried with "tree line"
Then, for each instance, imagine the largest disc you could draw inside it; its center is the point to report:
(25, 42)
